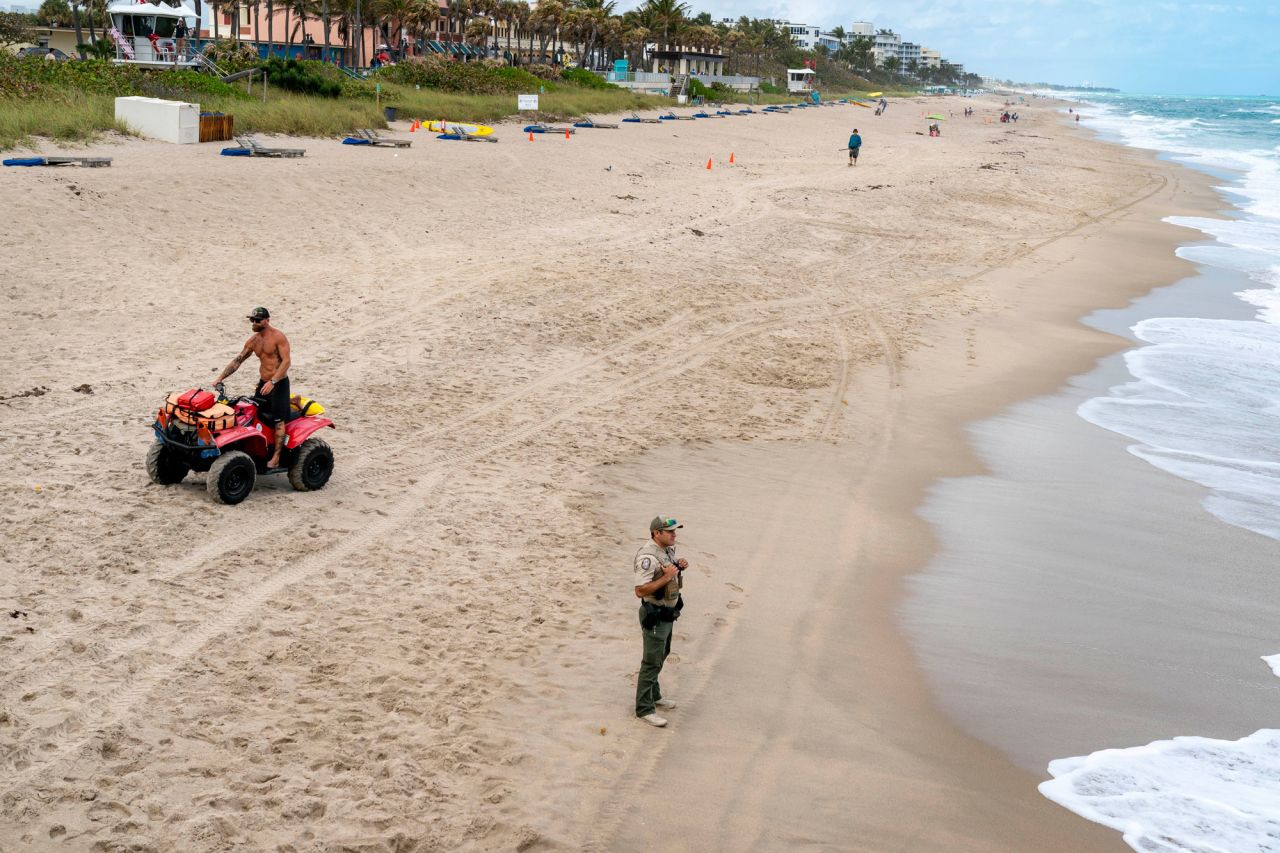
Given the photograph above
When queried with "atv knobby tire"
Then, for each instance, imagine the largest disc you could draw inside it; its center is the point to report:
(164, 465)
(231, 477)
(312, 465)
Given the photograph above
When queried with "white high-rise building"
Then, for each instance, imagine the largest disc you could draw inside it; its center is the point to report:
(861, 28)
(885, 45)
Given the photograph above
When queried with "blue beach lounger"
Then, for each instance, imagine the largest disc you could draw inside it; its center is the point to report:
(236, 152)
(58, 161)
(352, 140)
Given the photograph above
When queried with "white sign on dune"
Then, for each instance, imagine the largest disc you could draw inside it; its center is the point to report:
(1189, 793)
(526, 102)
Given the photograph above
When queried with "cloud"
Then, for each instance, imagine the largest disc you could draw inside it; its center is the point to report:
(1125, 43)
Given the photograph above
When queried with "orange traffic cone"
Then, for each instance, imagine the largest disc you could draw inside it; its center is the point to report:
(730, 158)
(531, 136)
(413, 127)
(708, 164)
(566, 133)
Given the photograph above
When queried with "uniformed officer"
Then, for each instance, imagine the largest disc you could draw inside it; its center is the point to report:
(658, 581)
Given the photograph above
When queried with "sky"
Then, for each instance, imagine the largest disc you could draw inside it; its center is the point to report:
(1154, 47)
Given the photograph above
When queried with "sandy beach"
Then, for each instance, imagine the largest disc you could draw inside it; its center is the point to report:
(529, 349)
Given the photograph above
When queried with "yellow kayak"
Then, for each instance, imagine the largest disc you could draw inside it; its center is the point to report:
(874, 94)
(860, 104)
(455, 127)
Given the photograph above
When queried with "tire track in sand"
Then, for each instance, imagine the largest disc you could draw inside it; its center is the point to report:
(195, 637)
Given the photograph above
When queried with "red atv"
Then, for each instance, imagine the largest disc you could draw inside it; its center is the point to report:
(198, 431)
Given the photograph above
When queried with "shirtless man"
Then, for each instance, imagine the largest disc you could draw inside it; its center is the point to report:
(272, 349)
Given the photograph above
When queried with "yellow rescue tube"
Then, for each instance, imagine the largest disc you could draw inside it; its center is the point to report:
(305, 405)
(455, 126)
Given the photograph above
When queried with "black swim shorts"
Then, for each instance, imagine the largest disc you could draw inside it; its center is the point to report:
(273, 409)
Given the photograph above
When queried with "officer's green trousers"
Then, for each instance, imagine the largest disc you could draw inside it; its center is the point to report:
(657, 645)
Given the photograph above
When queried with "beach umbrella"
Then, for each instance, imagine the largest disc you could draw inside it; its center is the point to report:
(937, 117)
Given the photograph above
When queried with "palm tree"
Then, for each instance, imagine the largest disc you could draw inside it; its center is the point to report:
(422, 16)
(271, 25)
(668, 15)
(477, 33)
(253, 7)
(546, 20)
(75, 17)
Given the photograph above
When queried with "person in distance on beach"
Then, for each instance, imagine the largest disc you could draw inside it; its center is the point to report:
(272, 349)
(658, 581)
(855, 145)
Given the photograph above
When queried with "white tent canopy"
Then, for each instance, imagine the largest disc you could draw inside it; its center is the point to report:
(160, 11)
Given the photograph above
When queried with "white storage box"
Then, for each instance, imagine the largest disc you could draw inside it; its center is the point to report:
(170, 121)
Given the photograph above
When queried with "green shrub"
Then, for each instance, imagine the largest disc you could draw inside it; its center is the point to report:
(436, 72)
(194, 83)
(292, 75)
(584, 78)
(544, 72)
(698, 89)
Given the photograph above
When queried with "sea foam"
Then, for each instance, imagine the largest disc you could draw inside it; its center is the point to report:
(1189, 793)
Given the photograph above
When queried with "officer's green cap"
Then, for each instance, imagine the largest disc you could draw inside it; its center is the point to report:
(662, 523)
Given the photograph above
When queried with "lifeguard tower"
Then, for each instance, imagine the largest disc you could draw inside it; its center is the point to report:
(144, 35)
(800, 80)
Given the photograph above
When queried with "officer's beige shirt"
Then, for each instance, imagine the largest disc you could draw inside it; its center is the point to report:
(648, 565)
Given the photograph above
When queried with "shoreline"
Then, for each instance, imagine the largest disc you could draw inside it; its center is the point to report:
(535, 379)
(968, 794)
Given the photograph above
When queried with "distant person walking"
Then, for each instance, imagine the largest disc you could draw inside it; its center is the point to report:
(658, 581)
(855, 145)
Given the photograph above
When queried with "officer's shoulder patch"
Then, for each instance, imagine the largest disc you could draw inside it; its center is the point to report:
(644, 562)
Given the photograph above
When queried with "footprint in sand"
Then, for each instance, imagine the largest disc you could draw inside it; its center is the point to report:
(734, 587)
(734, 605)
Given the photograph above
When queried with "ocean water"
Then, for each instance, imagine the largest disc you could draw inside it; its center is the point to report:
(1202, 403)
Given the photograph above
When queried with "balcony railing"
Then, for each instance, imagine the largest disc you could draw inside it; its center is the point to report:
(163, 51)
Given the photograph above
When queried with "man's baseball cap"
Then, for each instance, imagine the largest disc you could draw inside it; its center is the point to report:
(663, 523)
(259, 313)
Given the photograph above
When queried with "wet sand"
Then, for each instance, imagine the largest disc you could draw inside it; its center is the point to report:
(1082, 598)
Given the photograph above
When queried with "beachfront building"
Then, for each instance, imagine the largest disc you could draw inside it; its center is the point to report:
(908, 52)
(860, 29)
(286, 35)
(930, 58)
(885, 44)
(681, 61)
